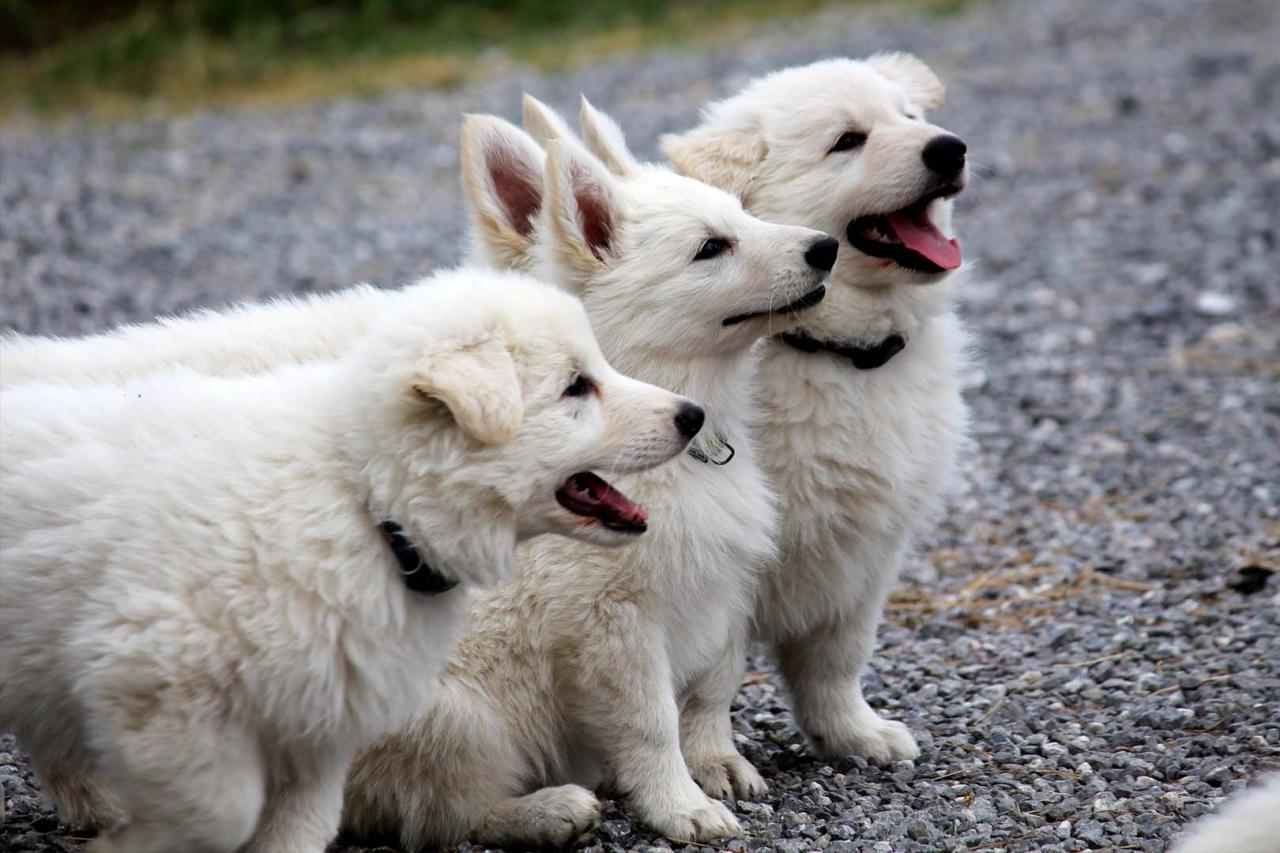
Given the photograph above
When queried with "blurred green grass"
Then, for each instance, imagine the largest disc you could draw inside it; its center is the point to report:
(114, 57)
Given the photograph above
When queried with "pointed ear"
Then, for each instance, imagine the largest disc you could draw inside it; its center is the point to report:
(543, 123)
(910, 72)
(582, 207)
(604, 138)
(502, 177)
(476, 380)
(725, 150)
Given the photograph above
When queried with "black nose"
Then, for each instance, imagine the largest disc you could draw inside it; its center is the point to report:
(944, 155)
(689, 419)
(822, 254)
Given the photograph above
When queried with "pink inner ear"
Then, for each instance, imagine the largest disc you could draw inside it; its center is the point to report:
(593, 212)
(518, 189)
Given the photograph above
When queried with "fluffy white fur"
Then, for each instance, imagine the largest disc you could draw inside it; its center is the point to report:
(1247, 823)
(201, 614)
(239, 340)
(565, 674)
(861, 458)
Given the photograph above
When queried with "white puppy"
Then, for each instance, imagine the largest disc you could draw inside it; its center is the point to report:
(563, 674)
(217, 590)
(862, 412)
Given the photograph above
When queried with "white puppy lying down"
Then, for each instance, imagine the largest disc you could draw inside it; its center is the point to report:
(216, 590)
(862, 416)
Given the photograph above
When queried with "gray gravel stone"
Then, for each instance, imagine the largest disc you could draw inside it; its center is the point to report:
(1071, 648)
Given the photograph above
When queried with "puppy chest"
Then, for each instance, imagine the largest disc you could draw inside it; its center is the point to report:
(861, 454)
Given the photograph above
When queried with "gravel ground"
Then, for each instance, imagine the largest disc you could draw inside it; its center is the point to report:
(1088, 646)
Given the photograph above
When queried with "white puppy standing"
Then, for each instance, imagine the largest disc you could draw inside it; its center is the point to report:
(862, 412)
(203, 595)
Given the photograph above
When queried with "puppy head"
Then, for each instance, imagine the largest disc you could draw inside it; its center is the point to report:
(668, 267)
(492, 416)
(844, 146)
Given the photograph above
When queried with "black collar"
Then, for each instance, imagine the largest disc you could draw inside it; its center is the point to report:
(416, 573)
(863, 358)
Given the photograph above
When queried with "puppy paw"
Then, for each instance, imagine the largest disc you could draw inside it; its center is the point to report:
(728, 777)
(697, 821)
(561, 816)
(865, 733)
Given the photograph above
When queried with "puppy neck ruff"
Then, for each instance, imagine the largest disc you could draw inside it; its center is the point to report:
(863, 358)
(417, 573)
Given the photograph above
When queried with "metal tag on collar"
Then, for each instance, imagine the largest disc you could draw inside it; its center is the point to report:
(713, 448)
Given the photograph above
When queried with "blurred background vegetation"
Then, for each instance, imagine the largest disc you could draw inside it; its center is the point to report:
(112, 56)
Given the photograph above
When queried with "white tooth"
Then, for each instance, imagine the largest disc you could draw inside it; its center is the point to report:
(939, 215)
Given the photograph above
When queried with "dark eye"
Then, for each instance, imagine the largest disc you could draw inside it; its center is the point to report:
(580, 387)
(848, 140)
(712, 247)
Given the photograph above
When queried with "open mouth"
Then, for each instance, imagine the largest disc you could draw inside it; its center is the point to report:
(907, 236)
(810, 299)
(589, 496)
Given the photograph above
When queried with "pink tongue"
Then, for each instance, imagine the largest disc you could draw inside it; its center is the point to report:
(591, 489)
(622, 506)
(919, 235)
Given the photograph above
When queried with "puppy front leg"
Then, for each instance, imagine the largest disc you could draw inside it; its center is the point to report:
(706, 731)
(823, 670)
(304, 805)
(626, 701)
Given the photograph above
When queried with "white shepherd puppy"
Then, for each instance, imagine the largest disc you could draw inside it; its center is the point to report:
(216, 590)
(862, 412)
(565, 673)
